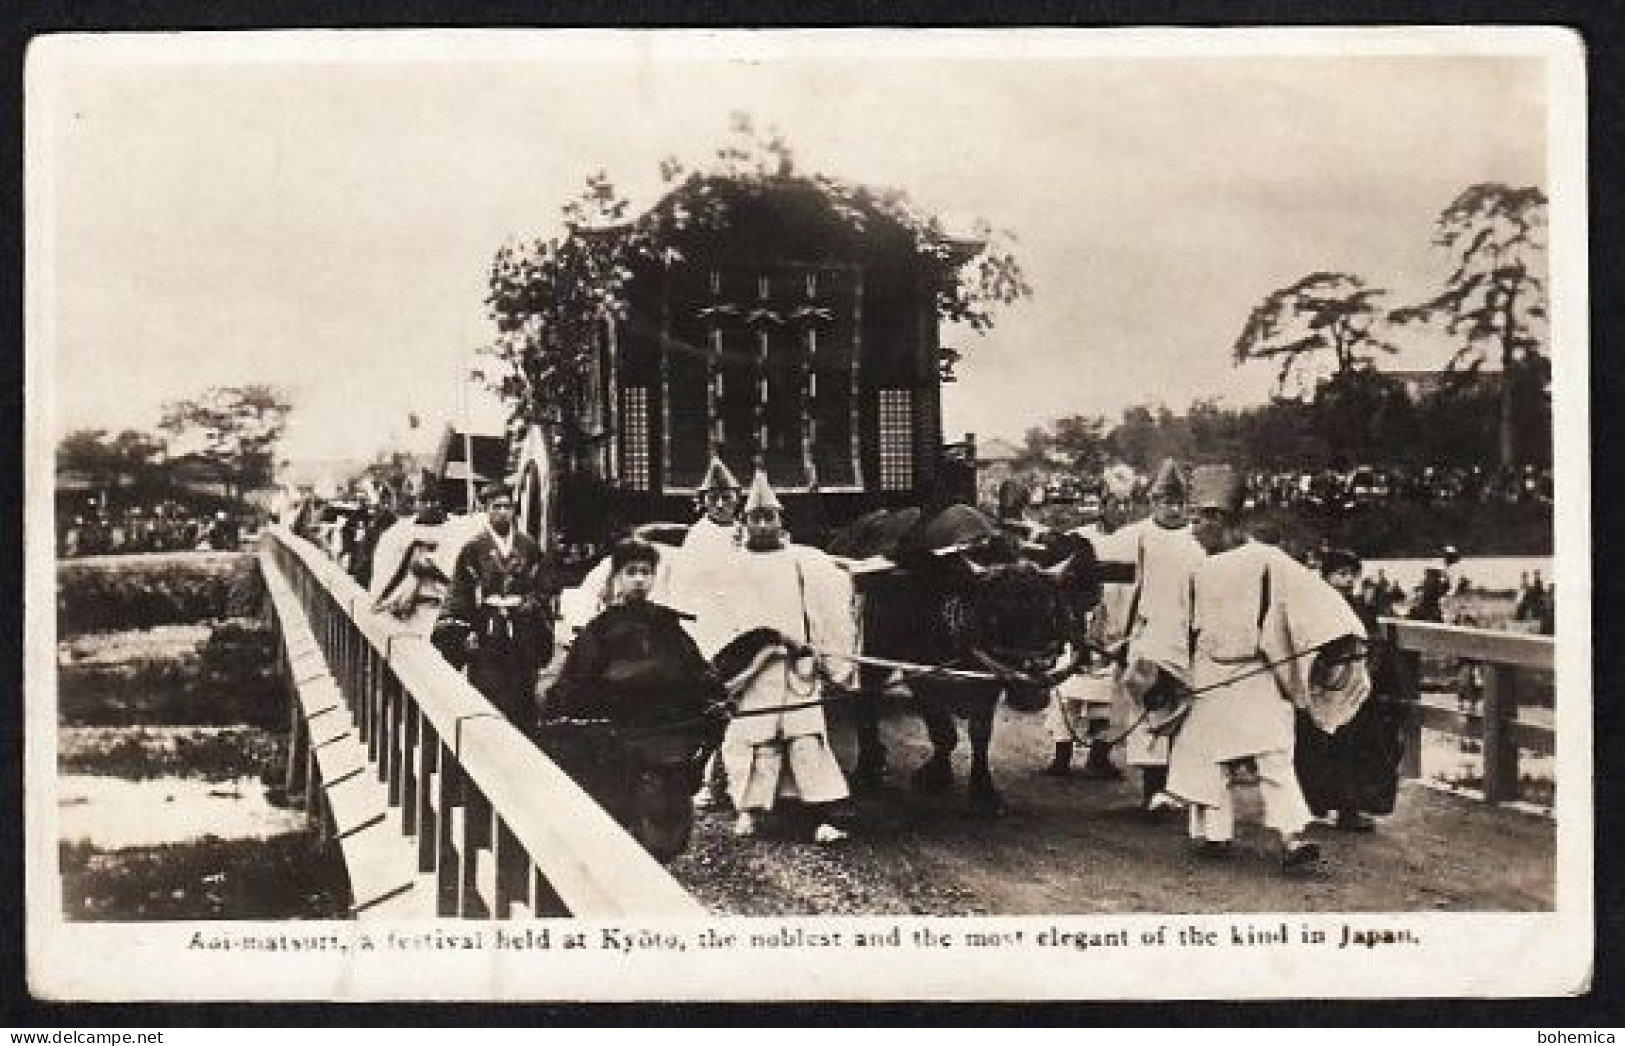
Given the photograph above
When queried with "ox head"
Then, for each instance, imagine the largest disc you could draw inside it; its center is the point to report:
(1018, 608)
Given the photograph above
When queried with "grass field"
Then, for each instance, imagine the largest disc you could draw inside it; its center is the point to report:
(171, 725)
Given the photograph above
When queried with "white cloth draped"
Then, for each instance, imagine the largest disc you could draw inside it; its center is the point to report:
(699, 580)
(1164, 560)
(803, 594)
(1238, 630)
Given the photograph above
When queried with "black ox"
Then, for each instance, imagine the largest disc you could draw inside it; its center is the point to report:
(956, 590)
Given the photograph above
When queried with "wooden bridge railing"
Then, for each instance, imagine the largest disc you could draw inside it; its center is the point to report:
(1505, 661)
(499, 830)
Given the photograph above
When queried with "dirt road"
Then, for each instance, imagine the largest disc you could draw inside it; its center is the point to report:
(1074, 846)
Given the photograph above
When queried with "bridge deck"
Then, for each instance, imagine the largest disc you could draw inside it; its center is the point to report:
(1076, 846)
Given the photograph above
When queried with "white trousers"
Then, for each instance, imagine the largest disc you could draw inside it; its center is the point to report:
(1284, 808)
(1086, 702)
(755, 771)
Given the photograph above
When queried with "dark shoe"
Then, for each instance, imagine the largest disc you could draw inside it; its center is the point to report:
(1061, 765)
(1099, 765)
(1354, 821)
(1214, 848)
(1299, 854)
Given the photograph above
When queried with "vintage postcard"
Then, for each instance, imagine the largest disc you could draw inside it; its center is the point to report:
(1000, 514)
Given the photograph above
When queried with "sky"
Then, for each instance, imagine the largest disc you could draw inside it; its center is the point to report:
(320, 212)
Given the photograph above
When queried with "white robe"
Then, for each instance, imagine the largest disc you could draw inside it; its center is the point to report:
(1164, 561)
(1084, 702)
(685, 580)
(1237, 630)
(802, 593)
(395, 586)
(699, 581)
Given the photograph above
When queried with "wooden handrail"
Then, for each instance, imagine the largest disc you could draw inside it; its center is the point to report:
(578, 856)
(1474, 644)
(1505, 657)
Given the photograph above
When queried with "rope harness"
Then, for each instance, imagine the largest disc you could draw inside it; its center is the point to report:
(910, 671)
(1187, 696)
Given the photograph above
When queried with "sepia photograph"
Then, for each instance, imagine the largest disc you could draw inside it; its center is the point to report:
(573, 515)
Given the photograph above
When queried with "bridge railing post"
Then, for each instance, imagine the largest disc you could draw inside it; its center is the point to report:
(1500, 750)
(448, 837)
(429, 811)
(1407, 676)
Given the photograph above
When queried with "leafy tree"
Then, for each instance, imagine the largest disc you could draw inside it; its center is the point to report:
(236, 428)
(1080, 441)
(131, 457)
(1364, 417)
(1495, 296)
(87, 452)
(1037, 450)
(1323, 314)
(1144, 438)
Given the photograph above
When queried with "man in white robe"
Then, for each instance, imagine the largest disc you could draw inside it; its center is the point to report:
(699, 574)
(800, 594)
(1267, 636)
(696, 581)
(1152, 615)
(1081, 708)
(408, 581)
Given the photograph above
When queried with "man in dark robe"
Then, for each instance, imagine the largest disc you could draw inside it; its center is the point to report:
(1354, 772)
(497, 618)
(636, 708)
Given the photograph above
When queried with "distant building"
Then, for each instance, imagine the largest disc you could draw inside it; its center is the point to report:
(450, 470)
(995, 463)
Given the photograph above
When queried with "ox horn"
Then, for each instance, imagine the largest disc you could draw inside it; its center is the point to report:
(976, 569)
(1058, 571)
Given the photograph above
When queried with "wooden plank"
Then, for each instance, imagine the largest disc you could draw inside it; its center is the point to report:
(1473, 644)
(1529, 737)
(383, 877)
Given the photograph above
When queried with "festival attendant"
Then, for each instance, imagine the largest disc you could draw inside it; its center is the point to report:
(709, 549)
(635, 667)
(1267, 636)
(495, 620)
(1085, 700)
(1353, 772)
(778, 604)
(1154, 617)
(407, 581)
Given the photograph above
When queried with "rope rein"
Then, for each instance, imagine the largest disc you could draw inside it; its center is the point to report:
(911, 670)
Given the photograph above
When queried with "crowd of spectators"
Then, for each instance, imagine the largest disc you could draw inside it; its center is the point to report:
(1340, 489)
(165, 526)
(1428, 485)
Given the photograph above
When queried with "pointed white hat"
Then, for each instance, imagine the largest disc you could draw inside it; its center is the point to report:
(717, 477)
(1169, 482)
(761, 494)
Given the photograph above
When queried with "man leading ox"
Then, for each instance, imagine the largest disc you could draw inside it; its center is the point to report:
(1267, 636)
(776, 602)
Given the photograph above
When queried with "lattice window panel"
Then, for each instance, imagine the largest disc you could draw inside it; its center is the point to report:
(896, 439)
(635, 472)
